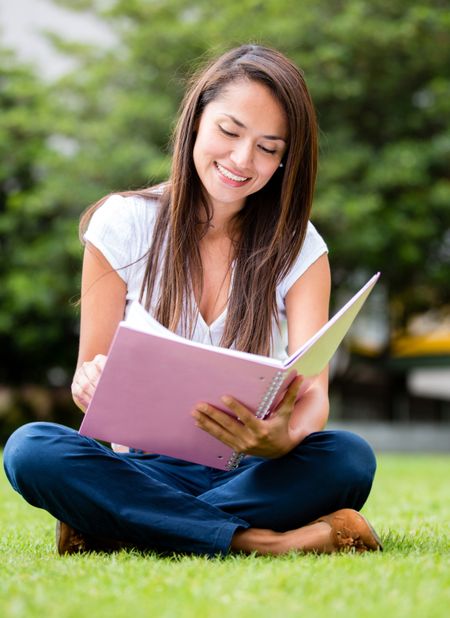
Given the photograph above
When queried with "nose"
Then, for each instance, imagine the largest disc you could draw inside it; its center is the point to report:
(242, 155)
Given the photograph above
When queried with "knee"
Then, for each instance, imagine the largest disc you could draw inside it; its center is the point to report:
(354, 459)
(27, 450)
(348, 459)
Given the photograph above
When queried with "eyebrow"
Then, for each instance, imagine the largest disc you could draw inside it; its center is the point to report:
(241, 124)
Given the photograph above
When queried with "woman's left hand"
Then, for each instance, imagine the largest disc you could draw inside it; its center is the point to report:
(247, 434)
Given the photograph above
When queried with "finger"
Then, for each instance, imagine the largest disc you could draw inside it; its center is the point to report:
(83, 386)
(78, 397)
(243, 414)
(100, 360)
(294, 389)
(91, 372)
(208, 424)
(80, 404)
(286, 405)
(223, 419)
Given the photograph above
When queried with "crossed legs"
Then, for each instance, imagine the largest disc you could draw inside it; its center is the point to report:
(168, 505)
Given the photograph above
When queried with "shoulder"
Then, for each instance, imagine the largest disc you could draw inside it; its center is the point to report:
(313, 241)
(125, 218)
(118, 210)
(122, 227)
(312, 248)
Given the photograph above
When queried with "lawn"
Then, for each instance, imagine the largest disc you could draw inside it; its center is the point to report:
(409, 506)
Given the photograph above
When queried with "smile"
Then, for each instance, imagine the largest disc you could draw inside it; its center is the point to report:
(229, 174)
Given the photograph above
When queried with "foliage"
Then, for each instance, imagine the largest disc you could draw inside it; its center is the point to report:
(379, 76)
(409, 506)
(378, 73)
(39, 253)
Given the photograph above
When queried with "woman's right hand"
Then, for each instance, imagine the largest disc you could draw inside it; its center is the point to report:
(85, 381)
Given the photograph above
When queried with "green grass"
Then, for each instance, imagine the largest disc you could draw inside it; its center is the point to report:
(409, 506)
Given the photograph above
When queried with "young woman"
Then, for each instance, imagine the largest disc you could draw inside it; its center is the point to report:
(222, 253)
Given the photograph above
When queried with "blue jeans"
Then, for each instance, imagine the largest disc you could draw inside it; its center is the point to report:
(171, 505)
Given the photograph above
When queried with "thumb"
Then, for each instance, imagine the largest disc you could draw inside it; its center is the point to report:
(287, 404)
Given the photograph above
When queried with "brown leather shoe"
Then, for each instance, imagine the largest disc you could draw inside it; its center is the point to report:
(350, 530)
(71, 541)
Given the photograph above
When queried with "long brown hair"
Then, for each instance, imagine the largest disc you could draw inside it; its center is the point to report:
(272, 225)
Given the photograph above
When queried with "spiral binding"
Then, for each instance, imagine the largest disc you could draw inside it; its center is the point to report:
(261, 412)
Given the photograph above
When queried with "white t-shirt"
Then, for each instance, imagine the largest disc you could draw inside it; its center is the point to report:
(122, 230)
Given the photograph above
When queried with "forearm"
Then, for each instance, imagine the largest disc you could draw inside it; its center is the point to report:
(310, 413)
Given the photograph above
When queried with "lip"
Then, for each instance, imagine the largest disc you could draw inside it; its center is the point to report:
(229, 181)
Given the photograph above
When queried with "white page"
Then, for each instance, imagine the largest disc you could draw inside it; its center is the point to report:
(140, 320)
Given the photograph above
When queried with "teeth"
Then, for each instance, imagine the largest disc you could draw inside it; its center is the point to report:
(229, 175)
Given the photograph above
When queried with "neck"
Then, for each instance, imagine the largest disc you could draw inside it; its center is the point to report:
(222, 223)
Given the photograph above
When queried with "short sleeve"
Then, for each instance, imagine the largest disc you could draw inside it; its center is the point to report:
(313, 247)
(120, 228)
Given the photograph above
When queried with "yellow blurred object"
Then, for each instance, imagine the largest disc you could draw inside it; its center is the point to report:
(364, 349)
(427, 335)
(421, 345)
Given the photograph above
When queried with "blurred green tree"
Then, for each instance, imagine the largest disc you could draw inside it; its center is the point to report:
(379, 75)
(39, 262)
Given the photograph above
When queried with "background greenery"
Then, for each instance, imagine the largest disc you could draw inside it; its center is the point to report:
(379, 75)
(409, 506)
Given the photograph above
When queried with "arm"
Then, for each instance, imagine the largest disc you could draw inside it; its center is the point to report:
(309, 298)
(103, 295)
(307, 310)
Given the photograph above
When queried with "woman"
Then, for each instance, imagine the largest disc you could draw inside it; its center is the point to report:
(221, 254)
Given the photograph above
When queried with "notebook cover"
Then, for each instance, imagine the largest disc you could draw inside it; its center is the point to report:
(184, 374)
(180, 377)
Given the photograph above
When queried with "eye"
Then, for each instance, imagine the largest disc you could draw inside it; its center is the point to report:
(264, 149)
(227, 133)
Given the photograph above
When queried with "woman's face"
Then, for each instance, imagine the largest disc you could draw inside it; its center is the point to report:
(242, 136)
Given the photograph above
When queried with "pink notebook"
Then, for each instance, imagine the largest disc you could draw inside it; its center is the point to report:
(153, 379)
